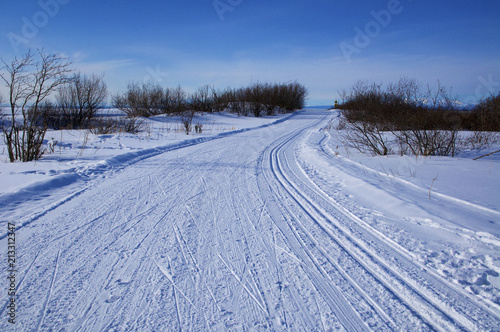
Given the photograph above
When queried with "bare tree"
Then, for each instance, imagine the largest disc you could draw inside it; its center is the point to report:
(79, 100)
(406, 90)
(178, 100)
(366, 137)
(268, 97)
(1, 109)
(432, 130)
(221, 99)
(486, 114)
(30, 80)
(148, 100)
(142, 100)
(403, 110)
(202, 100)
(187, 121)
(254, 96)
(441, 98)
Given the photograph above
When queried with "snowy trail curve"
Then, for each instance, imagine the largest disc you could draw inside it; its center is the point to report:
(227, 234)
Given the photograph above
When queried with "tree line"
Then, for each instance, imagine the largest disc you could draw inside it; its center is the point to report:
(413, 119)
(257, 99)
(31, 81)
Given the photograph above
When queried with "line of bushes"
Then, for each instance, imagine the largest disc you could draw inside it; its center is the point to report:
(485, 116)
(32, 78)
(417, 121)
(259, 98)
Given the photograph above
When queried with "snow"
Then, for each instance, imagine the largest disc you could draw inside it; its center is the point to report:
(77, 150)
(255, 224)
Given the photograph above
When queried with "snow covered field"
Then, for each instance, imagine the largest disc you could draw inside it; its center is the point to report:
(255, 224)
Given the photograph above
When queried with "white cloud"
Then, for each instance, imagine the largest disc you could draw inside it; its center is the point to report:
(99, 67)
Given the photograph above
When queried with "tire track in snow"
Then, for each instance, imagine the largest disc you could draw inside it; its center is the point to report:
(466, 207)
(51, 286)
(278, 157)
(94, 248)
(274, 160)
(87, 174)
(353, 247)
(360, 261)
(252, 251)
(484, 308)
(348, 317)
(24, 274)
(83, 231)
(222, 239)
(231, 270)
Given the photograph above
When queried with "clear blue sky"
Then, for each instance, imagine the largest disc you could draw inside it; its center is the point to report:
(324, 44)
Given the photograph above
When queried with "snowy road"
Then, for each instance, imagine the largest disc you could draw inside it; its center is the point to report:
(244, 232)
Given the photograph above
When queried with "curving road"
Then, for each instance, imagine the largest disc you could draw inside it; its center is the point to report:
(234, 233)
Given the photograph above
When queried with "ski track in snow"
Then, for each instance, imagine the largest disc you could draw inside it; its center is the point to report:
(234, 233)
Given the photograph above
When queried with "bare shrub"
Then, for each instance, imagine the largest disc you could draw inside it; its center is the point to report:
(198, 128)
(406, 91)
(120, 102)
(237, 102)
(486, 114)
(30, 80)
(480, 140)
(363, 119)
(292, 96)
(80, 99)
(420, 129)
(271, 98)
(104, 125)
(1, 108)
(147, 100)
(111, 125)
(177, 100)
(141, 100)
(430, 129)
(429, 142)
(131, 125)
(187, 121)
(255, 97)
(441, 97)
(221, 99)
(202, 100)
(365, 137)
(267, 97)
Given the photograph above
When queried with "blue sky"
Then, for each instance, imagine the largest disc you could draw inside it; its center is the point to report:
(326, 45)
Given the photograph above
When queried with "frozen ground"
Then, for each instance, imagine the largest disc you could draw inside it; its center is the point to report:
(76, 150)
(272, 227)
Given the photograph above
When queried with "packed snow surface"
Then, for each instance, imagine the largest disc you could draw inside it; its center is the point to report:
(255, 224)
